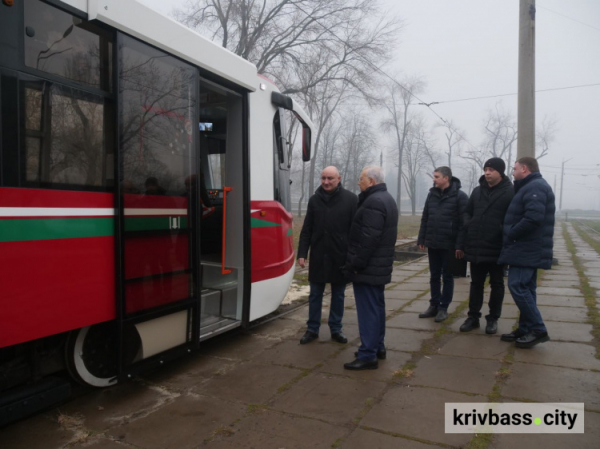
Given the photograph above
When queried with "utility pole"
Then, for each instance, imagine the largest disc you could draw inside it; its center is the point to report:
(526, 95)
(562, 177)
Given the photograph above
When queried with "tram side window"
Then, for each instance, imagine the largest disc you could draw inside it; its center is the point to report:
(158, 116)
(58, 43)
(65, 137)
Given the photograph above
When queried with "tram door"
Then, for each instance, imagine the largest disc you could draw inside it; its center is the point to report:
(222, 208)
(158, 210)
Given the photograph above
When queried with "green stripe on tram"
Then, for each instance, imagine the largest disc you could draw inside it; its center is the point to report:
(20, 230)
(258, 223)
(155, 223)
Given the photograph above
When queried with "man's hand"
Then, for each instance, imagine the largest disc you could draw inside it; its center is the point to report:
(422, 247)
(302, 262)
(460, 254)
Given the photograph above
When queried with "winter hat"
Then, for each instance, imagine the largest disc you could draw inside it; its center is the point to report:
(497, 164)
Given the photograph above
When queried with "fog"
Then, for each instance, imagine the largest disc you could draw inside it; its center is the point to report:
(469, 48)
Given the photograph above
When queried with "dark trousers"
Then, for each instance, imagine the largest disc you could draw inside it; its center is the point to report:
(370, 308)
(315, 305)
(479, 272)
(439, 268)
(522, 283)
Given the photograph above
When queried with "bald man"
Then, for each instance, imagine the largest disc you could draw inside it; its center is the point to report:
(325, 235)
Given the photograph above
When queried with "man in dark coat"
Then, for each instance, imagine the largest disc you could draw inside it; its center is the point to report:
(325, 233)
(527, 246)
(369, 264)
(481, 241)
(441, 224)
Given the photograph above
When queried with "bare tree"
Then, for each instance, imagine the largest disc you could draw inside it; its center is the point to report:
(415, 158)
(399, 98)
(282, 37)
(454, 138)
(359, 148)
(545, 135)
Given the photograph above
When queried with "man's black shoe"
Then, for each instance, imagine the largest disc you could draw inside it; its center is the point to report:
(469, 324)
(339, 337)
(512, 336)
(308, 337)
(491, 327)
(429, 313)
(381, 354)
(531, 339)
(361, 364)
(441, 315)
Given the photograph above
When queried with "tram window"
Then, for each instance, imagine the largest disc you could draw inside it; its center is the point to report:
(158, 117)
(58, 43)
(65, 137)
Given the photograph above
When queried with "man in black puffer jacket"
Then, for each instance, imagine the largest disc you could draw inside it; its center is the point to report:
(528, 244)
(441, 224)
(325, 232)
(369, 264)
(481, 241)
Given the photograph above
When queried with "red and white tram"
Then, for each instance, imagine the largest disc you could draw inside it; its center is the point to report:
(144, 194)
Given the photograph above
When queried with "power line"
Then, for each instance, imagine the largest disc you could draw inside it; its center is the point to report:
(377, 69)
(507, 95)
(570, 18)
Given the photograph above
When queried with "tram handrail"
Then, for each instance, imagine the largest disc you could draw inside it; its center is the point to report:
(225, 190)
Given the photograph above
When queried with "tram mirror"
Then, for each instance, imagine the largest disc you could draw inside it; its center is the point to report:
(306, 141)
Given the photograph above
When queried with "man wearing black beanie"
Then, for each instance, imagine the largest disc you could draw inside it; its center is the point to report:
(482, 242)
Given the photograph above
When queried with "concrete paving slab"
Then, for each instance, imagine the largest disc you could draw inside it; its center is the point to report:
(292, 353)
(420, 278)
(195, 419)
(563, 301)
(587, 440)
(362, 438)
(26, 434)
(422, 304)
(560, 283)
(570, 331)
(97, 442)
(456, 373)
(248, 382)
(505, 326)
(417, 412)
(419, 285)
(571, 355)
(510, 311)
(337, 400)
(558, 291)
(550, 276)
(394, 361)
(300, 315)
(476, 346)
(571, 314)
(392, 305)
(412, 321)
(558, 385)
(283, 329)
(595, 285)
(270, 429)
(405, 339)
(411, 267)
(179, 375)
(401, 293)
(103, 409)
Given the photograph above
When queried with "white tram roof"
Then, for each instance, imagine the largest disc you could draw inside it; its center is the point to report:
(150, 26)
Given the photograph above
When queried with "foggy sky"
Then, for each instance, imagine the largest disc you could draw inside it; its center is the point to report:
(469, 48)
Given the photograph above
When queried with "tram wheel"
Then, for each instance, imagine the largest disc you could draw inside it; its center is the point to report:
(91, 354)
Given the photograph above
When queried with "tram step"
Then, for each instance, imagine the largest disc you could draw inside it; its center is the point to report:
(21, 402)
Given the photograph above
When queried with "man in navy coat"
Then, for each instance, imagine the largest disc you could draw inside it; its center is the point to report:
(527, 246)
(369, 264)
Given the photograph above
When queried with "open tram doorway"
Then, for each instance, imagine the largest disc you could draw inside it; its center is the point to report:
(222, 193)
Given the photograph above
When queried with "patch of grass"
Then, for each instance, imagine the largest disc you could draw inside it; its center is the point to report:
(480, 441)
(589, 293)
(369, 402)
(223, 431)
(256, 408)
(405, 372)
(337, 443)
(294, 381)
(503, 374)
